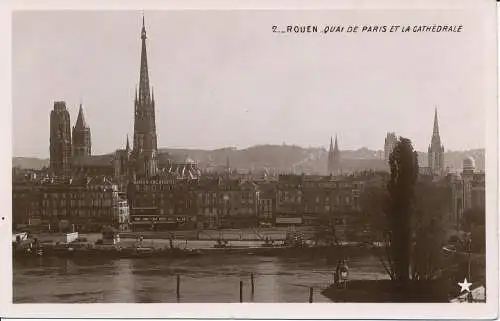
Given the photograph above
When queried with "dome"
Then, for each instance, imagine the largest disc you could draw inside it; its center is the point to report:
(469, 163)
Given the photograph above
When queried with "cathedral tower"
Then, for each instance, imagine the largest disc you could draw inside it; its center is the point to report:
(81, 137)
(144, 152)
(60, 140)
(436, 150)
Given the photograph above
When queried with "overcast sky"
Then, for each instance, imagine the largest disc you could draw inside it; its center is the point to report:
(222, 78)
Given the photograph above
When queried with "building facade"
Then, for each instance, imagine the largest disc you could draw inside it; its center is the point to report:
(267, 202)
(468, 191)
(210, 202)
(318, 200)
(65, 204)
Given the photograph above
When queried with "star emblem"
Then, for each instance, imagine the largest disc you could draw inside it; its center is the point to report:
(465, 286)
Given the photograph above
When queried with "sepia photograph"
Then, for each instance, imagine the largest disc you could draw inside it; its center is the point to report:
(254, 156)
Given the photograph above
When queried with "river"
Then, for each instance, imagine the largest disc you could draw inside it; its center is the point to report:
(205, 279)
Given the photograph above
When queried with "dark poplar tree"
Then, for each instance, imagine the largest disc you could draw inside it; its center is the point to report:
(403, 163)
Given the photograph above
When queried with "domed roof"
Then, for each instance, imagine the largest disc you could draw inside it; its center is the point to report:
(469, 163)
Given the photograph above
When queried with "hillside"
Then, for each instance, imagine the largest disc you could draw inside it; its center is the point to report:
(30, 162)
(283, 158)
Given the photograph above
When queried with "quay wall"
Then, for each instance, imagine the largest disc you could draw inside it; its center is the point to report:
(226, 234)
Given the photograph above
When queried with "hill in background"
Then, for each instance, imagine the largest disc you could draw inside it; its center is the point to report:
(283, 158)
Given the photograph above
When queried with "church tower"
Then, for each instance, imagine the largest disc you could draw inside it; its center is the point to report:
(334, 158)
(122, 162)
(436, 150)
(81, 137)
(144, 152)
(60, 140)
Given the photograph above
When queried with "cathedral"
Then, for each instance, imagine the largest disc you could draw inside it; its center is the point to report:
(436, 150)
(71, 155)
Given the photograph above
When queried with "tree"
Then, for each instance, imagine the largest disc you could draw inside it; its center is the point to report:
(403, 163)
(432, 201)
(374, 203)
(474, 223)
(473, 217)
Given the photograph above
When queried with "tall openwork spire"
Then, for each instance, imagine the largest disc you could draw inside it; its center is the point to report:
(144, 74)
(336, 147)
(435, 130)
(144, 151)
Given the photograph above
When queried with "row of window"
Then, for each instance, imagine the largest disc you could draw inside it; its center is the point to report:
(78, 195)
(75, 203)
(72, 213)
(337, 200)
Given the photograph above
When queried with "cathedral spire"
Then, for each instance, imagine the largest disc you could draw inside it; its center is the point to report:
(127, 147)
(435, 130)
(144, 74)
(436, 149)
(336, 148)
(144, 150)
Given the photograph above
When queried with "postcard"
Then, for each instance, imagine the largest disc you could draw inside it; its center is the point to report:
(267, 160)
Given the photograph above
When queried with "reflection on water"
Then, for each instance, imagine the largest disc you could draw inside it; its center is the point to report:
(202, 279)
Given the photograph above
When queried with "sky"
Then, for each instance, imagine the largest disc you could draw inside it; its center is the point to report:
(223, 78)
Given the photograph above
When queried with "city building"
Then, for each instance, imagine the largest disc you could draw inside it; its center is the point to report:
(267, 201)
(468, 191)
(65, 204)
(390, 142)
(318, 200)
(161, 203)
(436, 150)
(210, 202)
(225, 202)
